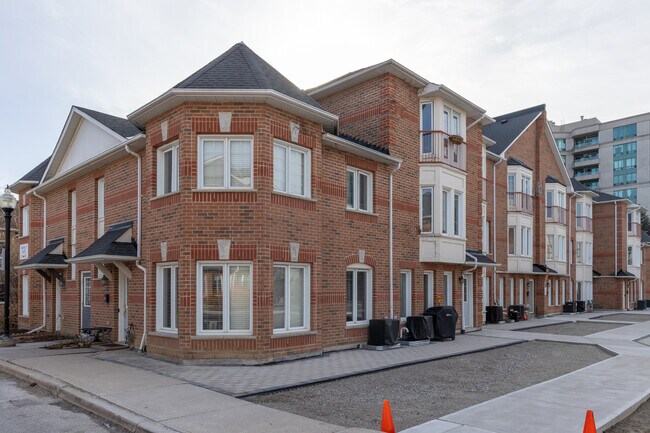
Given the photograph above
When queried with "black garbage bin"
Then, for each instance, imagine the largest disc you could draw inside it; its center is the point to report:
(641, 304)
(420, 327)
(444, 322)
(493, 314)
(581, 306)
(569, 307)
(383, 332)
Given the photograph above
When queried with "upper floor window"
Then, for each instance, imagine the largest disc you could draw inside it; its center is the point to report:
(451, 121)
(622, 132)
(291, 169)
(561, 143)
(550, 247)
(100, 207)
(359, 190)
(453, 213)
(25, 221)
(624, 148)
(426, 125)
(426, 210)
(225, 162)
(167, 176)
(629, 193)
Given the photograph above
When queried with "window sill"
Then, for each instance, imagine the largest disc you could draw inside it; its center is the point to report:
(159, 197)
(300, 333)
(223, 337)
(443, 235)
(357, 325)
(362, 212)
(22, 237)
(224, 190)
(165, 334)
(299, 197)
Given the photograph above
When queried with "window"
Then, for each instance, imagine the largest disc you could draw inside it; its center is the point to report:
(73, 232)
(225, 162)
(630, 221)
(625, 148)
(563, 291)
(561, 143)
(622, 179)
(25, 300)
(457, 214)
(630, 256)
(358, 298)
(167, 297)
(426, 125)
(526, 241)
(588, 253)
(526, 185)
(626, 193)
(405, 292)
(452, 213)
(359, 190)
(557, 300)
(224, 298)
(512, 241)
(521, 291)
(291, 169)
(512, 200)
(623, 132)
(167, 168)
(445, 211)
(447, 280)
(501, 286)
(291, 297)
(550, 246)
(100, 207)
(561, 247)
(426, 210)
(549, 289)
(85, 289)
(428, 289)
(512, 291)
(549, 204)
(25, 221)
(579, 252)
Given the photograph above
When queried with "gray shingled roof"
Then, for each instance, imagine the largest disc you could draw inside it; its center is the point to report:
(578, 186)
(240, 68)
(514, 161)
(44, 258)
(541, 269)
(117, 124)
(645, 238)
(107, 245)
(36, 173)
(364, 143)
(507, 127)
(480, 257)
(553, 179)
(603, 196)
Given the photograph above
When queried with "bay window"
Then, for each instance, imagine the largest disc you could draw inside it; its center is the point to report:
(291, 298)
(225, 162)
(291, 169)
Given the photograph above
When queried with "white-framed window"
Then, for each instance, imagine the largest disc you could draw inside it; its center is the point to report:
(501, 287)
(521, 291)
(448, 282)
(561, 248)
(291, 169)
(557, 297)
(73, 233)
(291, 297)
(458, 213)
(588, 253)
(426, 209)
(550, 203)
(426, 125)
(100, 207)
(224, 298)
(359, 190)
(446, 211)
(526, 241)
(85, 289)
(167, 297)
(167, 169)
(453, 213)
(428, 289)
(512, 240)
(512, 291)
(25, 296)
(358, 294)
(225, 162)
(630, 256)
(550, 247)
(405, 292)
(579, 252)
(25, 221)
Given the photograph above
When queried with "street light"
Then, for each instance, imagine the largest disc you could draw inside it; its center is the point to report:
(7, 204)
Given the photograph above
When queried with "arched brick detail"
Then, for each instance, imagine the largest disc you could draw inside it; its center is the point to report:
(354, 259)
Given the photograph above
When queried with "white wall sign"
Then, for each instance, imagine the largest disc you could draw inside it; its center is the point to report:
(24, 251)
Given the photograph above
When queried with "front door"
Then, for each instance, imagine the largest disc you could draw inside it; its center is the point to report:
(85, 299)
(122, 309)
(57, 306)
(468, 295)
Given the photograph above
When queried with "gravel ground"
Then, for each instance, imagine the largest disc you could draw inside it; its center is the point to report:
(422, 392)
(626, 317)
(638, 422)
(578, 329)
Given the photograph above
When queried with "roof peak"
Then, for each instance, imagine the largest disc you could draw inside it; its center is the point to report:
(535, 109)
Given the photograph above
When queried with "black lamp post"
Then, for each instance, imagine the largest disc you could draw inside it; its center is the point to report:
(7, 204)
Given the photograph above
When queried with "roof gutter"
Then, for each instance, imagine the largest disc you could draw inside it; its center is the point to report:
(359, 150)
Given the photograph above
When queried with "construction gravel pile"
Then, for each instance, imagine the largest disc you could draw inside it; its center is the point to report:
(422, 392)
(625, 317)
(578, 329)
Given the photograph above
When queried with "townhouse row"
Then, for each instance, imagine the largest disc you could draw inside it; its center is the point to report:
(238, 218)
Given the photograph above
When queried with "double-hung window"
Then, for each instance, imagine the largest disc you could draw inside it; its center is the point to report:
(512, 240)
(291, 169)
(405, 292)
(225, 162)
(550, 246)
(25, 297)
(25, 221)
(224, 298)
(359, 190)
(358, 295)
(73, 232)
(457, 214)
(428, 289)
(447, 282)
(426, 126)
(167, 297)
(100, 207)
(290, 297)
(426, 210)
(167, 176)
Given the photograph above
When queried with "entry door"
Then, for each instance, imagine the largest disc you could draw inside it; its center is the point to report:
(468, 295)
(57, 307)
(85, 299)
(123, 309)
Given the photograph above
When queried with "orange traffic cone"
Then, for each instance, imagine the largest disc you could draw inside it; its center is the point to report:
(590, 424)
(387, 425)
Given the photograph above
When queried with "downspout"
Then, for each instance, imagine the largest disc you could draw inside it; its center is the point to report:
(138, 263)
(616, 248)
(390, 233)
(570, 255)
(494, 220)
(471, 271)
(44, 243)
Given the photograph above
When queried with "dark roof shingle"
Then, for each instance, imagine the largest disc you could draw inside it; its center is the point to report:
(364, 143)
(507, 127)
(45, 258)
(117, 124)
(36, 173)
(107, 245)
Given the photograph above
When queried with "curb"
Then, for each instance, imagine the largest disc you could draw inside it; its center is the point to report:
(116, 414)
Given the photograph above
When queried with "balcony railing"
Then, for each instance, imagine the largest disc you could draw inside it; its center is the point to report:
(520, 202)
(634, 229)
(438, 146)
(583, 224)
(585, 142)
(555, 214)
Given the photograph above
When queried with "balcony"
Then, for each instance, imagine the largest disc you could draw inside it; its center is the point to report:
(555, 214)
(634, 229)
(581, 143)
(438, 146)
(520, 202)
(583, 162)
(583, 224)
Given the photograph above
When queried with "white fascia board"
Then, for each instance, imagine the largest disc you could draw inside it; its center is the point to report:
(91, 164)
(40, 266)
(493, 156)
(16, 186)
(59, 142)
(356, 149)
(98, 124)
(444, 92)
(174, 97)
(102, 258)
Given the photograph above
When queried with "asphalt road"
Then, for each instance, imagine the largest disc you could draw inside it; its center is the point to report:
(25, 408)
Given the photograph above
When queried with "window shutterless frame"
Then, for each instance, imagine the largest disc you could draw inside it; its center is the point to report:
(284, 270)
(167, 324)
(406, 289)
(353, 315)
(356, 192)
(286, 158)
(226, 159)
(167, 169)
(426, 209)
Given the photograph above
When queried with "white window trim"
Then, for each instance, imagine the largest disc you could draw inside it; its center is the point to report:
(85, 275)
(159, 297)
(226, 162)
(306, 298)
(429, 289)
(73, 232)
(226, 298)
(160, 172)
(422, 189)
(101, 206)
(354, 268)
(25, 221)
(370, 183)
(409, 292)
(307, 154)
(449, 290)
(25, 297)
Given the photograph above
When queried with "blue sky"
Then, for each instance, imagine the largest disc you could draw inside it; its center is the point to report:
(580, 57)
